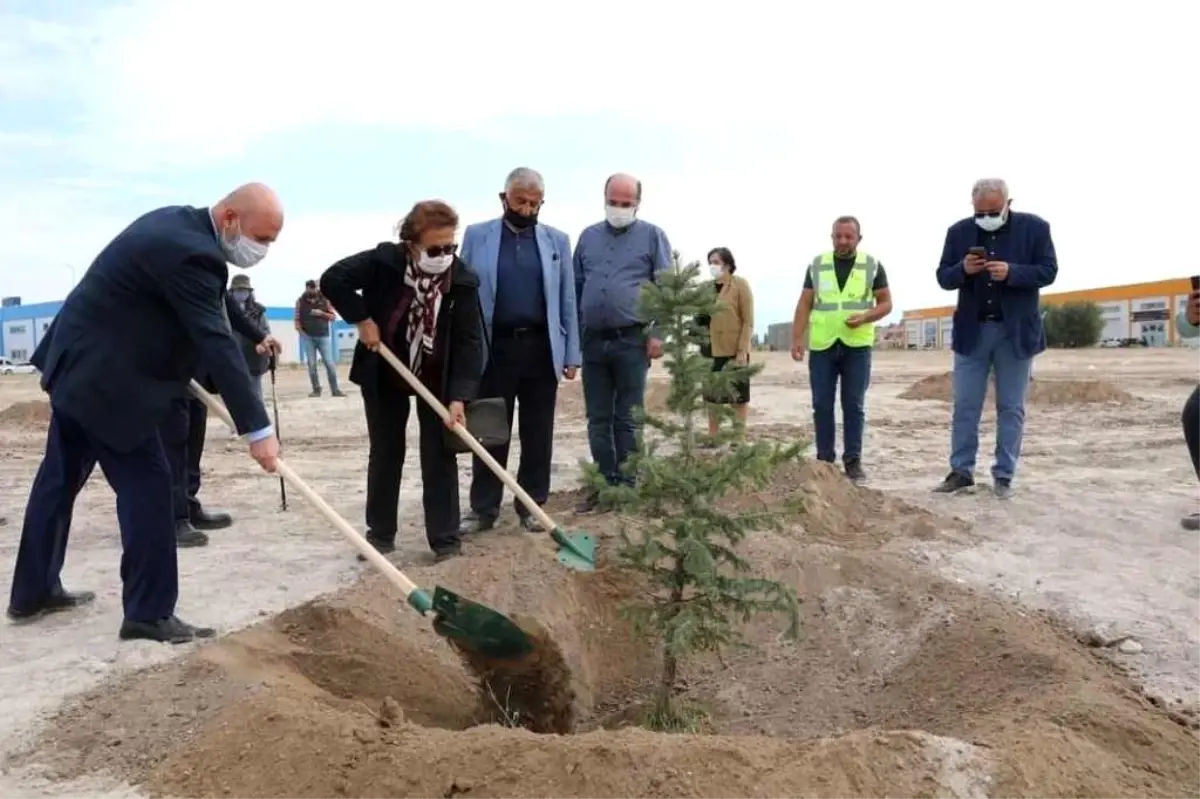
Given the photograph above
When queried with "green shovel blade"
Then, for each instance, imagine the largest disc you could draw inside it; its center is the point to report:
(575, 550)
(477, 627)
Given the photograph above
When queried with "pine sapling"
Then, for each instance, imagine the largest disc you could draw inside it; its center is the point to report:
(676, 534)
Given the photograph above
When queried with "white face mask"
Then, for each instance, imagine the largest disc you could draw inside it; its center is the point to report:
(716, 270)
(243, 252)
(992, 223)
(619, 217)
(434, 266)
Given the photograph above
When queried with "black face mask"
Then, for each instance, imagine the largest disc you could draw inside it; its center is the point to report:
(519, 221)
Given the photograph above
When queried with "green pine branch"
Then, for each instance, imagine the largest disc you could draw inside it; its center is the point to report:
(677, 535)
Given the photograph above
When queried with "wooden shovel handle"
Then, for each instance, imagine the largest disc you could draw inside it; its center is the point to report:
(382, 564)
(469, 439)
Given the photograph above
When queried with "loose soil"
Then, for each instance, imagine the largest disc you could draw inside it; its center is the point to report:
(903, 683)
(1041, 392)
(31, 414)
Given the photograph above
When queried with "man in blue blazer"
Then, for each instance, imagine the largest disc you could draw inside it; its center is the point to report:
(998, 261)
(527, 294)
(146, 316)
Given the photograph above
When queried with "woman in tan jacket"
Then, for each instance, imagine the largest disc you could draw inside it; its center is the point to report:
(730, 329)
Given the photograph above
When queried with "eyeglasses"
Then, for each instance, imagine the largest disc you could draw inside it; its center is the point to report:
(989, 214)
(438, 250)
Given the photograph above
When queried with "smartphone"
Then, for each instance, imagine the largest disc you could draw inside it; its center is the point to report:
(979, 251)
(1195, 282)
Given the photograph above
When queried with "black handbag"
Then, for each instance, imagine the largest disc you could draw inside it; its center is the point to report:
(487, 417)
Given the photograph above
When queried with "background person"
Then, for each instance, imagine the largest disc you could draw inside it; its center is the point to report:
(613, 260)
(257, 360)
(1188, 324)
(313, 315)
(730, 331)
(421, 301)
(998, 260)
(845, 293)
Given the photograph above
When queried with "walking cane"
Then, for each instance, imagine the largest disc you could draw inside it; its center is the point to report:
(275, 411)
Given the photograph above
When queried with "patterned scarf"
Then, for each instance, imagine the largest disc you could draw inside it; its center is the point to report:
(423, 312)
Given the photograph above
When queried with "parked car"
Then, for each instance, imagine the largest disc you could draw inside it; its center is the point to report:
(10, 367)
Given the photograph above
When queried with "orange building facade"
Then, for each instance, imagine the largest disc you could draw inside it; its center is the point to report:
(1142, 311)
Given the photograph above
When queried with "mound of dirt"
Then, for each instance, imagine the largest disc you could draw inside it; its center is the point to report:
(29, 414)
(903, 684)
(1041, 392)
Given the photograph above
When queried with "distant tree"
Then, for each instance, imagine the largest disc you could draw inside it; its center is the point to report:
(1073, 325)
(677, 535)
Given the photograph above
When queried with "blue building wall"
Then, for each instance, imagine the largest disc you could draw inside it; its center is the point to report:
(279, 316)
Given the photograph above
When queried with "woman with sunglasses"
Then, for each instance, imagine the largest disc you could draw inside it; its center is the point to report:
(422, 302)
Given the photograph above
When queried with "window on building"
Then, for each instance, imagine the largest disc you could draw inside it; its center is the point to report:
(45, 326)
(1153, 306)
(16, 330)
(19, 355)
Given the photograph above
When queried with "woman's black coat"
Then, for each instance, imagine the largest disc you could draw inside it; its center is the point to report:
(370, 284)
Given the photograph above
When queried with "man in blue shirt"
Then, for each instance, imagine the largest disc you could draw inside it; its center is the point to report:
(614, 259)
(998, 261)
(527, 298)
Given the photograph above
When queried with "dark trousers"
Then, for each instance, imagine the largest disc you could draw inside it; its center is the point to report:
(521, 370)
(614, 383)
(182, 433)
(852, 366)
(387, 418)
(141, 480)
(1191, 427)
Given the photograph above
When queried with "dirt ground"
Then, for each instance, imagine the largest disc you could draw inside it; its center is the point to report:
(950, 643)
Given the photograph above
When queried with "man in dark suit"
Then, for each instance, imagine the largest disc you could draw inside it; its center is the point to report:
(183, 432)
(145, 317)
(998, 261)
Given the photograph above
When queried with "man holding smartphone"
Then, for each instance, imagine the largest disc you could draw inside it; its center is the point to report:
(998, 260)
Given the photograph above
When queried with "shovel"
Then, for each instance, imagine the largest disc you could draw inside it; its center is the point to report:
(275, 416)
(470, 625)
(575, 550)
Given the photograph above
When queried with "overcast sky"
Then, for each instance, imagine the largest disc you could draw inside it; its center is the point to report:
(751, 124)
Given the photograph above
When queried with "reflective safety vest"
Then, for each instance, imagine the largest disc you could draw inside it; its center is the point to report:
(832, 305)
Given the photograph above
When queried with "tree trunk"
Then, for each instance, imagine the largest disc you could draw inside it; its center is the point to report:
(663, 706)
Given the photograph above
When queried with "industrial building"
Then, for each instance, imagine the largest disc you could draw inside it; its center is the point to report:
(22, 328)
(1141, 311)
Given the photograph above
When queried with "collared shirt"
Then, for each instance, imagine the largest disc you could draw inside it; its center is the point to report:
(611, 266)
(986, 289)
(520, 289)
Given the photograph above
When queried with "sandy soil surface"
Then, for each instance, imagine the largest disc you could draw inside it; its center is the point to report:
(934, 662)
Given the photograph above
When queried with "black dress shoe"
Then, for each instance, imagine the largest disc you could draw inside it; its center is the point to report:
(187, 536)
(476, 522)
(446, 552)
(55, 603)
(384, 546)
(208, 520)
(171, 630)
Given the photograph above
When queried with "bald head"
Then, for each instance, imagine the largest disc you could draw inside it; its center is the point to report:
(252, 210)
(623, 191)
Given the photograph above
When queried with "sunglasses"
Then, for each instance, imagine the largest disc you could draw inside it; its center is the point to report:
(438, 250)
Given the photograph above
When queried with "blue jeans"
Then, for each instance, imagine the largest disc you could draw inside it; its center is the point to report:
(614, 383)
(993, 352)
(853, 366)
(324, 346)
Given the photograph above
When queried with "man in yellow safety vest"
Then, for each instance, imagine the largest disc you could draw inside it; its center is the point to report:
(845, 294)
